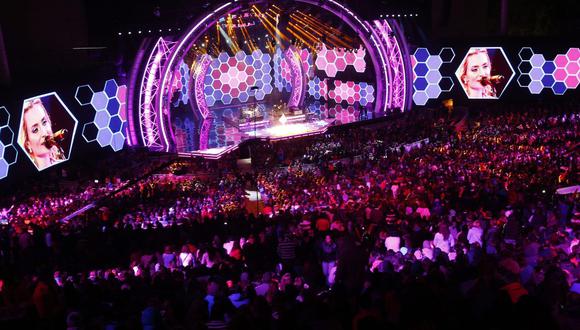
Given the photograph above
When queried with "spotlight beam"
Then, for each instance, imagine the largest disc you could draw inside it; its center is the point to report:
(265, 21)
(299, 38)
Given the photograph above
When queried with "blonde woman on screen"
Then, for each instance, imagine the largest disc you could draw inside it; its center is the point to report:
(36, 135)
(475, 75)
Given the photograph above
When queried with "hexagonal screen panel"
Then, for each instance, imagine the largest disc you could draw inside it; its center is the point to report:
(47, 129)
(8, 153)
(232, 77)
(109, 124)
(560, 74)
(335, 60)
(352, 92)
(428, 82)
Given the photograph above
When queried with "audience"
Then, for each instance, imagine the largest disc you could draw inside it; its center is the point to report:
(419, 223)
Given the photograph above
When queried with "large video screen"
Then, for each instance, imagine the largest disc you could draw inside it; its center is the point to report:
(46, 130)
(484, 73)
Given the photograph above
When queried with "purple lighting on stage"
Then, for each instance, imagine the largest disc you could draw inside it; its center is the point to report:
(220, 85)
(148, 93)
(297, 77)
(397, 65)
(199, 74)
(203, 24)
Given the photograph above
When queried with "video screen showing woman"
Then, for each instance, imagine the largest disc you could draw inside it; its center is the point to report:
(483, 73)
(46, 131)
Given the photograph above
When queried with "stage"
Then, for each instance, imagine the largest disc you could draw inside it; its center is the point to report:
(222, 132)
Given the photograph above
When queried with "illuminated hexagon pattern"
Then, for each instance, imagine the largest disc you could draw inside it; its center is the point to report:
(109, 125)
(181, 78)
(232, 78)
(185, 131)
(335, 60)
(428, 83)
(319, 109)
(286, 74)
(283, 71)
(352, 92)
(318, 88)
(307, 63)
(222, 135)
(8, 153)
(343, 115)
(559, 75)
(278, 56)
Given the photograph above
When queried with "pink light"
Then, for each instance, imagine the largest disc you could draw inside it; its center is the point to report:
(560, 74)
(571, 82)
(561, 61)
(573, 54)
(572, 68)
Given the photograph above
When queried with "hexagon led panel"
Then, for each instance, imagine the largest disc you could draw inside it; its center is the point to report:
(109, 125)
(428, 83)
(232, 78)
(318, 88)
(181, 78)
(332, 61)
(343, 115)
(8, 153)
(560, 74)
(352, 92)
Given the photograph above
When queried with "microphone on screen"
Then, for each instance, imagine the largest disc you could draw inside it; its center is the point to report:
(56, 138)
(492, 80)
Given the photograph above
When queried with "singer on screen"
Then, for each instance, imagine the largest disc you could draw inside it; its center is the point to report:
(475, 75)
(37, 138)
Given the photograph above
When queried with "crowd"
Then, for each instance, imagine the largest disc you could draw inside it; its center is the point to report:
(352, 231)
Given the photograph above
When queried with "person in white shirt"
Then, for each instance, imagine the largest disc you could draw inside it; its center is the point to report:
(185, 257)
(443, 239)
(393, 243)
(475, 233)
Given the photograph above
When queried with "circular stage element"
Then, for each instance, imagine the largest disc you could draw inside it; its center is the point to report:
(260, 69)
